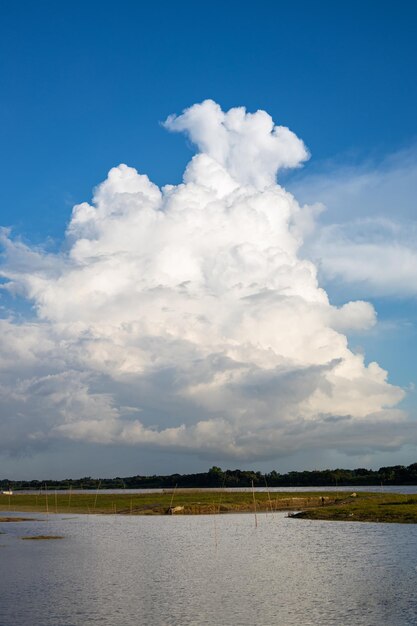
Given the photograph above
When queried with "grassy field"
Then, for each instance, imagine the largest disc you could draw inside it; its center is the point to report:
(364, 507)
(186, 501)
(368, 507)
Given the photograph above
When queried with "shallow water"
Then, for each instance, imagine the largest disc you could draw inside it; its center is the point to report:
(207, 570)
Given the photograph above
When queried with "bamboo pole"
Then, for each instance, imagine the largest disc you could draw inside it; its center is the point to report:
(172, 497)
(215, 527)
(254, 505)
(221, 494)
(269, 497)
(95, 501)
(46, 500)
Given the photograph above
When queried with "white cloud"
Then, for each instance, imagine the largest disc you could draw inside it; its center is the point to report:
(376, 254)
(186, 317)
(248, 145)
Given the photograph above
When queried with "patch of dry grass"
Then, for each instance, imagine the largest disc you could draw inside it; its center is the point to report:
(367, 507)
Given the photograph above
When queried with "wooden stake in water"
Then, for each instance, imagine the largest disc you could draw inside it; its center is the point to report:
(269, 496)
(173, 494)
(95, 501)
(215, 527)
(254, 505)
(69, 499)
(221, 494)
(56, 503)
(46, 500)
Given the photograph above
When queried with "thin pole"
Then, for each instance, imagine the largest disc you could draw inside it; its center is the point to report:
(221, 494)
(269, 496)
(215, 527)
(46, 500)
(173, 494)
(254, 505)
(95, 501)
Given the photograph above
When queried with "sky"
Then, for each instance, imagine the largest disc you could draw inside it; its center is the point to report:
(208, 236)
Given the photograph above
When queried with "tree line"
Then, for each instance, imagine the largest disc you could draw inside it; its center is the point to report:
(216, 477)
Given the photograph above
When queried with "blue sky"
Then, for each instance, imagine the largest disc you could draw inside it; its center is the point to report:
(86, 85)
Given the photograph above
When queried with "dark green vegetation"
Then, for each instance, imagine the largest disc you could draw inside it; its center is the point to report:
(187, 501)
(215, 477)
(367, 507)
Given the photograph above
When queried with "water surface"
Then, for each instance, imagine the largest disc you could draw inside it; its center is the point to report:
(207, 570)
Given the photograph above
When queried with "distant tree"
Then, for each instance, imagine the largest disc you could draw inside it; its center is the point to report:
(215, 476)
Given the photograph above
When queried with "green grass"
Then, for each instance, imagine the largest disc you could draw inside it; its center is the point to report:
(368, 507)
(194, 502)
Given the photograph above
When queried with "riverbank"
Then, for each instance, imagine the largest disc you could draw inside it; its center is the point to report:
(179, 501)
(340, 506)
(367, 507)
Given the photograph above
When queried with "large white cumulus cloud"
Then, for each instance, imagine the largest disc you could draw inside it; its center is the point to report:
(185, 317)
(249, 146)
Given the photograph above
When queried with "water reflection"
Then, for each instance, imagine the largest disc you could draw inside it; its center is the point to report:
(208, 570)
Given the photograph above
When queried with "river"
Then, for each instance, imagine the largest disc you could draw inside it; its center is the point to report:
(207, 570)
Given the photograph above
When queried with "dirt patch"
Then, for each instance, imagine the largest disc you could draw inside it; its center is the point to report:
(42, 537)
(18, 519)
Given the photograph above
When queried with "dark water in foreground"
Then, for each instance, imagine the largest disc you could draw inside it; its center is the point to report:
(207, 570)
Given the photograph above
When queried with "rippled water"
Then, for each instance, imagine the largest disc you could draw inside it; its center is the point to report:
(214, 570)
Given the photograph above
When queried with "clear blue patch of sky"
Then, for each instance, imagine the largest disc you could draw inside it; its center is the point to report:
(393, 340)
(84, 85)
(393, 345)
